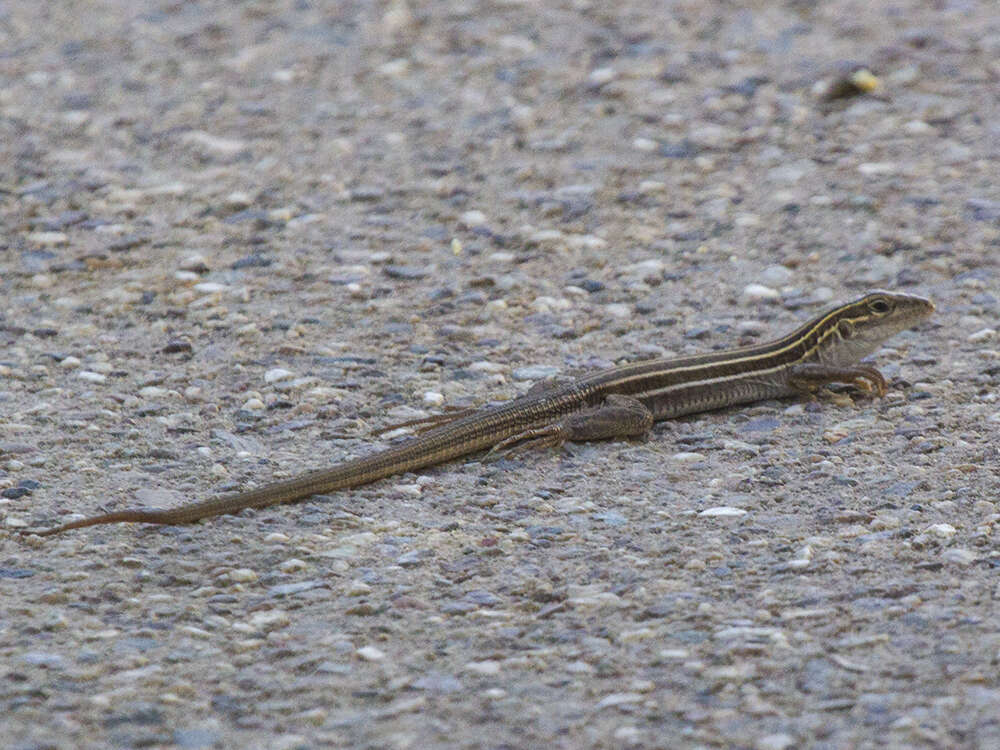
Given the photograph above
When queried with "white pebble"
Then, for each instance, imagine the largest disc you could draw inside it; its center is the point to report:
(760, 293)
(243, 575)
(917, 127)
(776, 742)
(293, 565)
(395, 68)
(206, 142)
(653, 266)
(984, 334)
(68, 363)
(877, 168)
(483, 667)
(776, 275)
(601, 76)
(473, 219)
(210, 287)
(91, 377)
(253, 404)
(723, 511)
(48, 239)
(238, 200)
(358, 588)
(943, 530)
(491, 368)
(370, 653)
(194, 263)
(644, 144)
(585, 242)
(277, 374)
(433, 398)
(687, 457)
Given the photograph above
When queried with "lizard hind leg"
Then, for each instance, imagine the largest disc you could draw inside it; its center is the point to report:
(423, 424)
(618, 417)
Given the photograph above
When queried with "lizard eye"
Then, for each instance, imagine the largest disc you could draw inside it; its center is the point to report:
(879, 306)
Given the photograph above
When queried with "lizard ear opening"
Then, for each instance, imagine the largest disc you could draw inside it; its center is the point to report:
(846, 329)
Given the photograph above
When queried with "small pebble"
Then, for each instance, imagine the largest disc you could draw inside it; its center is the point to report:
(194, 263)
(759, 293)
(487, 668)
(688, 457)
(210, 287)
(48, 239)
(877, 168)
(776, 742)
(723, 511)
(776, 275)
(277, 374)
(535, 372)
(358, 588)
(242, 575)
(270, 619)
(370, 653)
(472, 219)
(293, 565)
(979, 336)
(91, 377)
(960, 556)
(601, 76)
(942, 530)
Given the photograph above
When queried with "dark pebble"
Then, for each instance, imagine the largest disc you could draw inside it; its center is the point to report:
(748, 86)
(761, 424)
(983, 210)
(176, 345)
(252, 261)
(16, 573)
(191, 739)
(128, 242)
(409, 273)
(367, 194)
(36, 260)
(458, 608)
(257, 216)
(77, 101)
(13, 493)
(697, 333)
(680, 150)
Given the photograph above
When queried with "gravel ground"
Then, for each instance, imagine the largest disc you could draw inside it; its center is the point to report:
(240, 237)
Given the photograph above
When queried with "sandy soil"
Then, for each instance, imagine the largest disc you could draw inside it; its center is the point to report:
(237, 238)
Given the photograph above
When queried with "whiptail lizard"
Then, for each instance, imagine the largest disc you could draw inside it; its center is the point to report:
(618, 402)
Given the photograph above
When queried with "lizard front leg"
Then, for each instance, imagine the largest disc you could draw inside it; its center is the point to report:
(811, 375)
